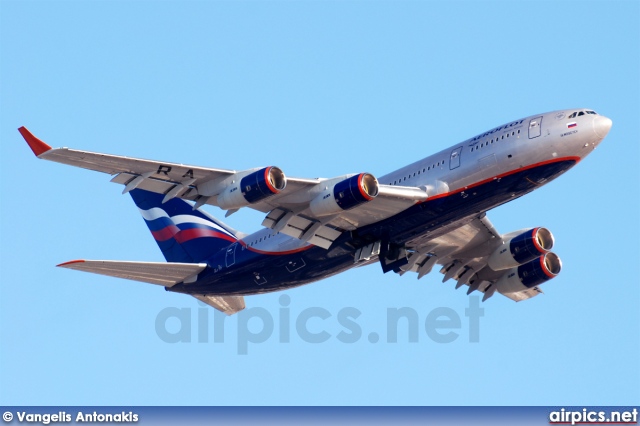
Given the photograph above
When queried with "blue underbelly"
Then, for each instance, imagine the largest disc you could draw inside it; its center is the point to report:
(255, 273)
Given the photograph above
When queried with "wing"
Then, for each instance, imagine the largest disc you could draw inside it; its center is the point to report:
(309, 209)
(463, 251)
(160, 273)
(156, 176)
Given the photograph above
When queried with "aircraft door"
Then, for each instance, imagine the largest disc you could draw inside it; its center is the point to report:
(454, 161)
(230, 257)
(535, 127)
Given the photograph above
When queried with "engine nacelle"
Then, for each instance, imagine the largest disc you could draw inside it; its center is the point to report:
(530, 274)
(345, 194)
(252, 187)
(521, 249)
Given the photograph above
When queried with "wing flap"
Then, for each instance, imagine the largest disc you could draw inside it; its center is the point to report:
(159, 186)
(523, 295)
(302, 228)
(159, 273)
(463, 250)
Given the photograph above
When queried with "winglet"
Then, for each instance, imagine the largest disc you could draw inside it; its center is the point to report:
(37, 146)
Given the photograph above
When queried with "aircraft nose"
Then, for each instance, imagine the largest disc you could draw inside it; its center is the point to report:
(601, 125)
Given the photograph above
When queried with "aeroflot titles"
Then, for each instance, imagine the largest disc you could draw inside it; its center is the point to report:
(490, 132)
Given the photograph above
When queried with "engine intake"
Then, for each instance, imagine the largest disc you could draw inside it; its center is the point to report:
(252, 187)
(345, 194)
(530, 274)
(521, 249)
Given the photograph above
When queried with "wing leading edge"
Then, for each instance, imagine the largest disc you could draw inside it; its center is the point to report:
(218, 187)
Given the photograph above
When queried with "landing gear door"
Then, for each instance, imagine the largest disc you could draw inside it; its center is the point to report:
(454, 161)
(535, 127)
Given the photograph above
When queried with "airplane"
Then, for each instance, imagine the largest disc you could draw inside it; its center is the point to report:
(430, 212)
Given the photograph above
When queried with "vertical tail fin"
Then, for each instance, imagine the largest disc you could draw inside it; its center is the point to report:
(182, 233)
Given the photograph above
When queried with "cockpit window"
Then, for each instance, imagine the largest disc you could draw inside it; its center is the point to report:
(579, 113)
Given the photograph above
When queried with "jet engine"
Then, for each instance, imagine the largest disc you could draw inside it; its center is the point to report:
(252, 187)
(521, 248)
(345, 194)
(530, 274)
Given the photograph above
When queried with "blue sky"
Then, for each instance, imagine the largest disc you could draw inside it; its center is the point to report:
(318, 89)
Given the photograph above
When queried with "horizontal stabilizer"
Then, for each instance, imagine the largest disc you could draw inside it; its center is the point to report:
(160, 273)
(226, 304)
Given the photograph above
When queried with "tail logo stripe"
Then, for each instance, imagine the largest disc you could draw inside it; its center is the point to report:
(184, 235)
(157, 213)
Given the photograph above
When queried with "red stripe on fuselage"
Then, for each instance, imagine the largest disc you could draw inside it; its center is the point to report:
(509, 173)
(274, 253)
